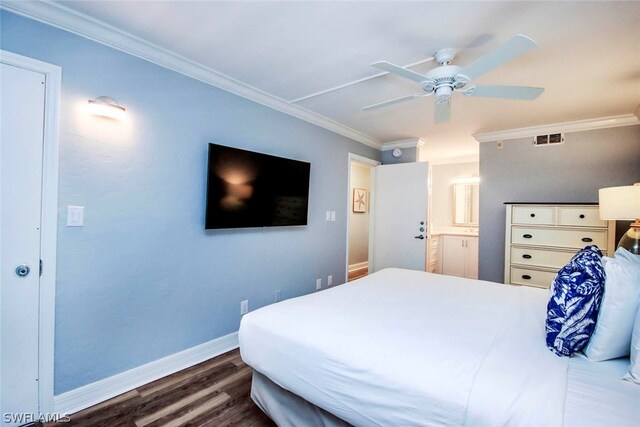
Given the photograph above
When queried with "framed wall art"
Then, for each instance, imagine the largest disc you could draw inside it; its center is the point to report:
(359, 200)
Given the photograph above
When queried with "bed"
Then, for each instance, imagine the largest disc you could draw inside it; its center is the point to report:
(408, 348)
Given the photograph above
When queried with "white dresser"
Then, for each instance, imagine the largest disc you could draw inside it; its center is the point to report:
(541, 238)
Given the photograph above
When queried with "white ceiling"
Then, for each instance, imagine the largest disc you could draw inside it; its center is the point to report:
(588, 57)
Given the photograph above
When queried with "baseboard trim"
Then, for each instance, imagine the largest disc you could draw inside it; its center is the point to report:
(99, 391)
(358, 266)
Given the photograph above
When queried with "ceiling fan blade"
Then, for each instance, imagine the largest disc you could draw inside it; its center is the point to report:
(508, 92)
(393, 101)
(442, 112)
(504, 53)
(400, 71)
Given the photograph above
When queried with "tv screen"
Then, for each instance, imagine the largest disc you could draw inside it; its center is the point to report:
(248, 189)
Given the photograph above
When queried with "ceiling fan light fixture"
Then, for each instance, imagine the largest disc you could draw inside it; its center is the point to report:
(443, 94)
(469, 91)
(462, 79)
(429, 86)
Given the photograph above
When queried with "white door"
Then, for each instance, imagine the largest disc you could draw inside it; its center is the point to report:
(454, 256)
(399, 216)
(21, 132)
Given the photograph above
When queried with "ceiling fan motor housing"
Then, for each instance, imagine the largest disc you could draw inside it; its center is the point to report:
(442, 81)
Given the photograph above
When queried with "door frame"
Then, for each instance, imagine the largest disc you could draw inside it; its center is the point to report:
(367, 162)
(49, 221)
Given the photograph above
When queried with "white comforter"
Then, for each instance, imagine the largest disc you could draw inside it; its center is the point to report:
(405, 348)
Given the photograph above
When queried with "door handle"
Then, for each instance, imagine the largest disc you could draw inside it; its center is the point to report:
(23, 270)
(421, 237)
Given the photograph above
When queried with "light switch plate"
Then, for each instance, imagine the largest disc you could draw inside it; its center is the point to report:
(333, 215)
(75, 216)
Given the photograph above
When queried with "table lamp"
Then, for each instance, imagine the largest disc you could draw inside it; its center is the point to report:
(623, 203)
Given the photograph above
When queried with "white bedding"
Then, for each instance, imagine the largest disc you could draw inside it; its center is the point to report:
(402, 347)
(597, 396)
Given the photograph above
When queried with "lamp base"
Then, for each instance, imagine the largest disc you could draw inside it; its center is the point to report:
(631, 239)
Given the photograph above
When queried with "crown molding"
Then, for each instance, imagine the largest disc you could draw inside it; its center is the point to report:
(564, 127)
(403, 143)
(59, 16)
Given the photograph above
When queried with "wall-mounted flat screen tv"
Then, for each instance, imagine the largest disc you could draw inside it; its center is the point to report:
(248, 189)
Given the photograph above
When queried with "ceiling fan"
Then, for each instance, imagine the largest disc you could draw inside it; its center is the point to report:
(447, 78)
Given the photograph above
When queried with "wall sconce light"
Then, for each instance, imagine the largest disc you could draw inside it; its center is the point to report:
(622, 203)
(106, 107)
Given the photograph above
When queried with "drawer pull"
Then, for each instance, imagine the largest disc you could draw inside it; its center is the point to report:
(581, 216)
(526, 256)
(528, 236)
(533, 215)
(587, 239)
(526, 277)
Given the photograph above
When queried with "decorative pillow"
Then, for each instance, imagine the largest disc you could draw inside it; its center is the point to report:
(612, 336)
(634, 370)
(576, 293)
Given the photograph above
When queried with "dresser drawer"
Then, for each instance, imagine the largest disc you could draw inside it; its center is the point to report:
(540, 215)
(540, 257)
(564, 238)
(580, 216)
(530, 277)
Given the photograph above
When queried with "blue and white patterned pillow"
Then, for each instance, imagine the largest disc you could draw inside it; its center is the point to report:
(576, 293)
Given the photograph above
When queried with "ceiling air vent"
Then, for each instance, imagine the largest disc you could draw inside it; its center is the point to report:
(546, 140)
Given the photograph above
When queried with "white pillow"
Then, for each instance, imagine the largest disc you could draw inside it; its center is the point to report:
(625, 254)
(612, 336)
(634, 370)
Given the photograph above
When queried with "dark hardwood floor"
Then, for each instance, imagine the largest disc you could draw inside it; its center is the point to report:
(212, 393)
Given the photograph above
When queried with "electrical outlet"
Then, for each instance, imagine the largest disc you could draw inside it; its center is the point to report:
(330, 280)
(318, 284)
(328, 215)
(244, 307)
(333, 215)
(277, 296)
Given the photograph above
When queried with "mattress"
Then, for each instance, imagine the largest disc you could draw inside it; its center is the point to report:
(401, 347)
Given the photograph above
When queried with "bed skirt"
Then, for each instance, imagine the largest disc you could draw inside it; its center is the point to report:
(287, 409)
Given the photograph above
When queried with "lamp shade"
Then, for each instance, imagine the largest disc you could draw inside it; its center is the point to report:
(620, 202)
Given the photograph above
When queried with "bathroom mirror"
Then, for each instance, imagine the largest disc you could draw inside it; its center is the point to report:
(465, 204)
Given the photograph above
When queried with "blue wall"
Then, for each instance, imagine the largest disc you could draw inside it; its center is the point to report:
(409, 155)
(142, 279)
(570, 172)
